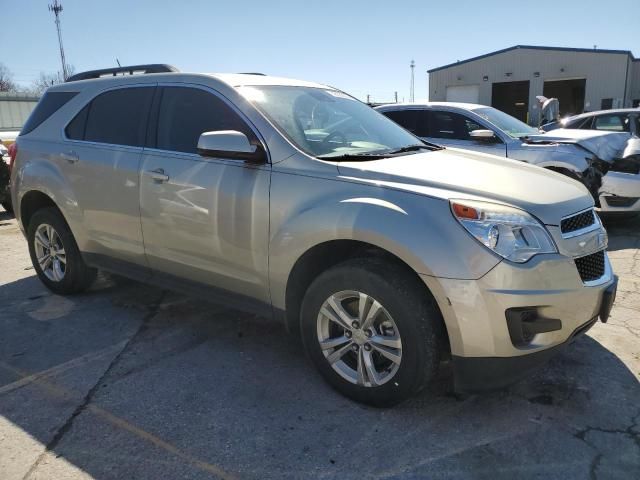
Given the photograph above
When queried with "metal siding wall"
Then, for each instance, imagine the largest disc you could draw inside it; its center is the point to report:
(634, 87)
(605, 74)
(13, 113)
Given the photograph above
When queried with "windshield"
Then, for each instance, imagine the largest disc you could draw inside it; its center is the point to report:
(327, 123)
(508, 124)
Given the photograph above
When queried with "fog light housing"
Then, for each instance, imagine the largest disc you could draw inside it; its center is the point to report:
(524, 323)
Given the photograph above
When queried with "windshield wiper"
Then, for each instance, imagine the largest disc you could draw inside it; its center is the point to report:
(413, 148)
(355, 156)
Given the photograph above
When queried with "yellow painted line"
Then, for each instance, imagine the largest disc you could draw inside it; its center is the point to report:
(63, 367)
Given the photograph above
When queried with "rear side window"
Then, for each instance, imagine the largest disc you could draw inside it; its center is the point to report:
(185, 113)
(118, 117)
(49, 104)
(416, 121)
(75, 130)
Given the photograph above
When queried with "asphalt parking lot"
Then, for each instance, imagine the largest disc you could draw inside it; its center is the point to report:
(128, 381)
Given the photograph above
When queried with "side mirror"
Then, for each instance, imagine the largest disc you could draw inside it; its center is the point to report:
(482, 135)
(230, 144)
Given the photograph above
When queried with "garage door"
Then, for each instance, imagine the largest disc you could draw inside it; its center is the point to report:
(463, 93)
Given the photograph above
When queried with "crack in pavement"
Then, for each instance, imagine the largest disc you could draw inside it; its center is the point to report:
(68, 424)
(629, 432)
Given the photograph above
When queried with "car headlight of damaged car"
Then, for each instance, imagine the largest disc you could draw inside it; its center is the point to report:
(509, 232)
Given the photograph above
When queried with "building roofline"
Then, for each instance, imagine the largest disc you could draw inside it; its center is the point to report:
(535, 47)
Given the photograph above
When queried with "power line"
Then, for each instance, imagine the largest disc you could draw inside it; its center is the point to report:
(56, 8)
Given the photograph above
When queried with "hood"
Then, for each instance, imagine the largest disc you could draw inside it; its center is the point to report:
(462, 174)
(605, 145)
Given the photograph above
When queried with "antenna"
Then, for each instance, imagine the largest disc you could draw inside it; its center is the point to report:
(56, 8)
(412, 97)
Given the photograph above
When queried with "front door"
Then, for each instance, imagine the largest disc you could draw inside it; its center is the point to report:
(204, 220)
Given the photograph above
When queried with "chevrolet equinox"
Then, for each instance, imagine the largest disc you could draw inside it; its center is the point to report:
(385, 253)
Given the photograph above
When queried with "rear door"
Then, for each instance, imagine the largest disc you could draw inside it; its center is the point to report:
(101, 160)
(205, 220)
(452, 129)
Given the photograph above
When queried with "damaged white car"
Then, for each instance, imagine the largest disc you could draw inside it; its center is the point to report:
(606, 163)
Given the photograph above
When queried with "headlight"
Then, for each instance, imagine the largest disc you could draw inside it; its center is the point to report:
(510, 232)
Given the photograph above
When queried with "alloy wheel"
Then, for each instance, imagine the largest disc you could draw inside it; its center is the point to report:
(50, 252)
(359, 338)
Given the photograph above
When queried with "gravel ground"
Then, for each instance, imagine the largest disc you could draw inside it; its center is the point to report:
(128, 381)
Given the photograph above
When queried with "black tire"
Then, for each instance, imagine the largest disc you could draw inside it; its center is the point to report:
(413, 310)
(7, 206)
(77, 276)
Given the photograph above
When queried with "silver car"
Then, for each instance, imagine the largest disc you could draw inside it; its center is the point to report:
(598, 159)
(296, 201)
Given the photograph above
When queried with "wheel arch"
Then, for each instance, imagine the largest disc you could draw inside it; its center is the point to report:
(323, 256)
(31, 202)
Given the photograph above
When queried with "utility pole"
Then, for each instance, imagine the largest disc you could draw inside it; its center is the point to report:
(56, 8)
(412, 97)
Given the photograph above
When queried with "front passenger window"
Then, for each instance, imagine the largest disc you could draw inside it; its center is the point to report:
(186, 113)
(448, 125)
(612, 123)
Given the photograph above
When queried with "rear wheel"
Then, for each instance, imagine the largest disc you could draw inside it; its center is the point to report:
(372, 331)
(55, 255)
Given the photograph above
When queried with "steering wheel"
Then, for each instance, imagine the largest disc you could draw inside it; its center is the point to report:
(336, 134)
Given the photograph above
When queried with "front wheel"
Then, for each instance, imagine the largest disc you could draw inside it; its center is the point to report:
(55, 255)
(372, 331)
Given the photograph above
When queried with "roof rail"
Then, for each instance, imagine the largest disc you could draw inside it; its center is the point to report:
(131, 70)
(253, 73)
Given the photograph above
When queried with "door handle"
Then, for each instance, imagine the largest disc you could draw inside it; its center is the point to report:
(70, 156)
(159, 176)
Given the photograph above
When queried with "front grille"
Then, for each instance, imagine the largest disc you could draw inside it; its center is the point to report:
(621, 201)
(577, 222)
(591, 267)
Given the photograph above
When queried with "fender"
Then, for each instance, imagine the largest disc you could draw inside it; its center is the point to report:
(568, 156)
(416, 229)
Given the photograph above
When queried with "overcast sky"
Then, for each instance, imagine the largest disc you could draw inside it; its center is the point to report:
(362, 47)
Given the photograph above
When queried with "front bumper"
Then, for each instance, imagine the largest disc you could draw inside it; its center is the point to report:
(484, 353)
(620, 193)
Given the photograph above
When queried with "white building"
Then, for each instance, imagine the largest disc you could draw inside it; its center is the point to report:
(510, 79)
(15, 108)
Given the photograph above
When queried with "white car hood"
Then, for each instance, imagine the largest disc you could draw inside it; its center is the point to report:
(606, 146)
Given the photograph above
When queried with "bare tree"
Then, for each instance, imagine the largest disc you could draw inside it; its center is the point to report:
(6, 80)
(46, 80)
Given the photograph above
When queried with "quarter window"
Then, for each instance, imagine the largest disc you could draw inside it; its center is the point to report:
(117, 117)
(49, 104)
(186, 113)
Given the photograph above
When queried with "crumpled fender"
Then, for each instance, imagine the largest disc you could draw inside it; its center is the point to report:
(545, 155)
(605, 145)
